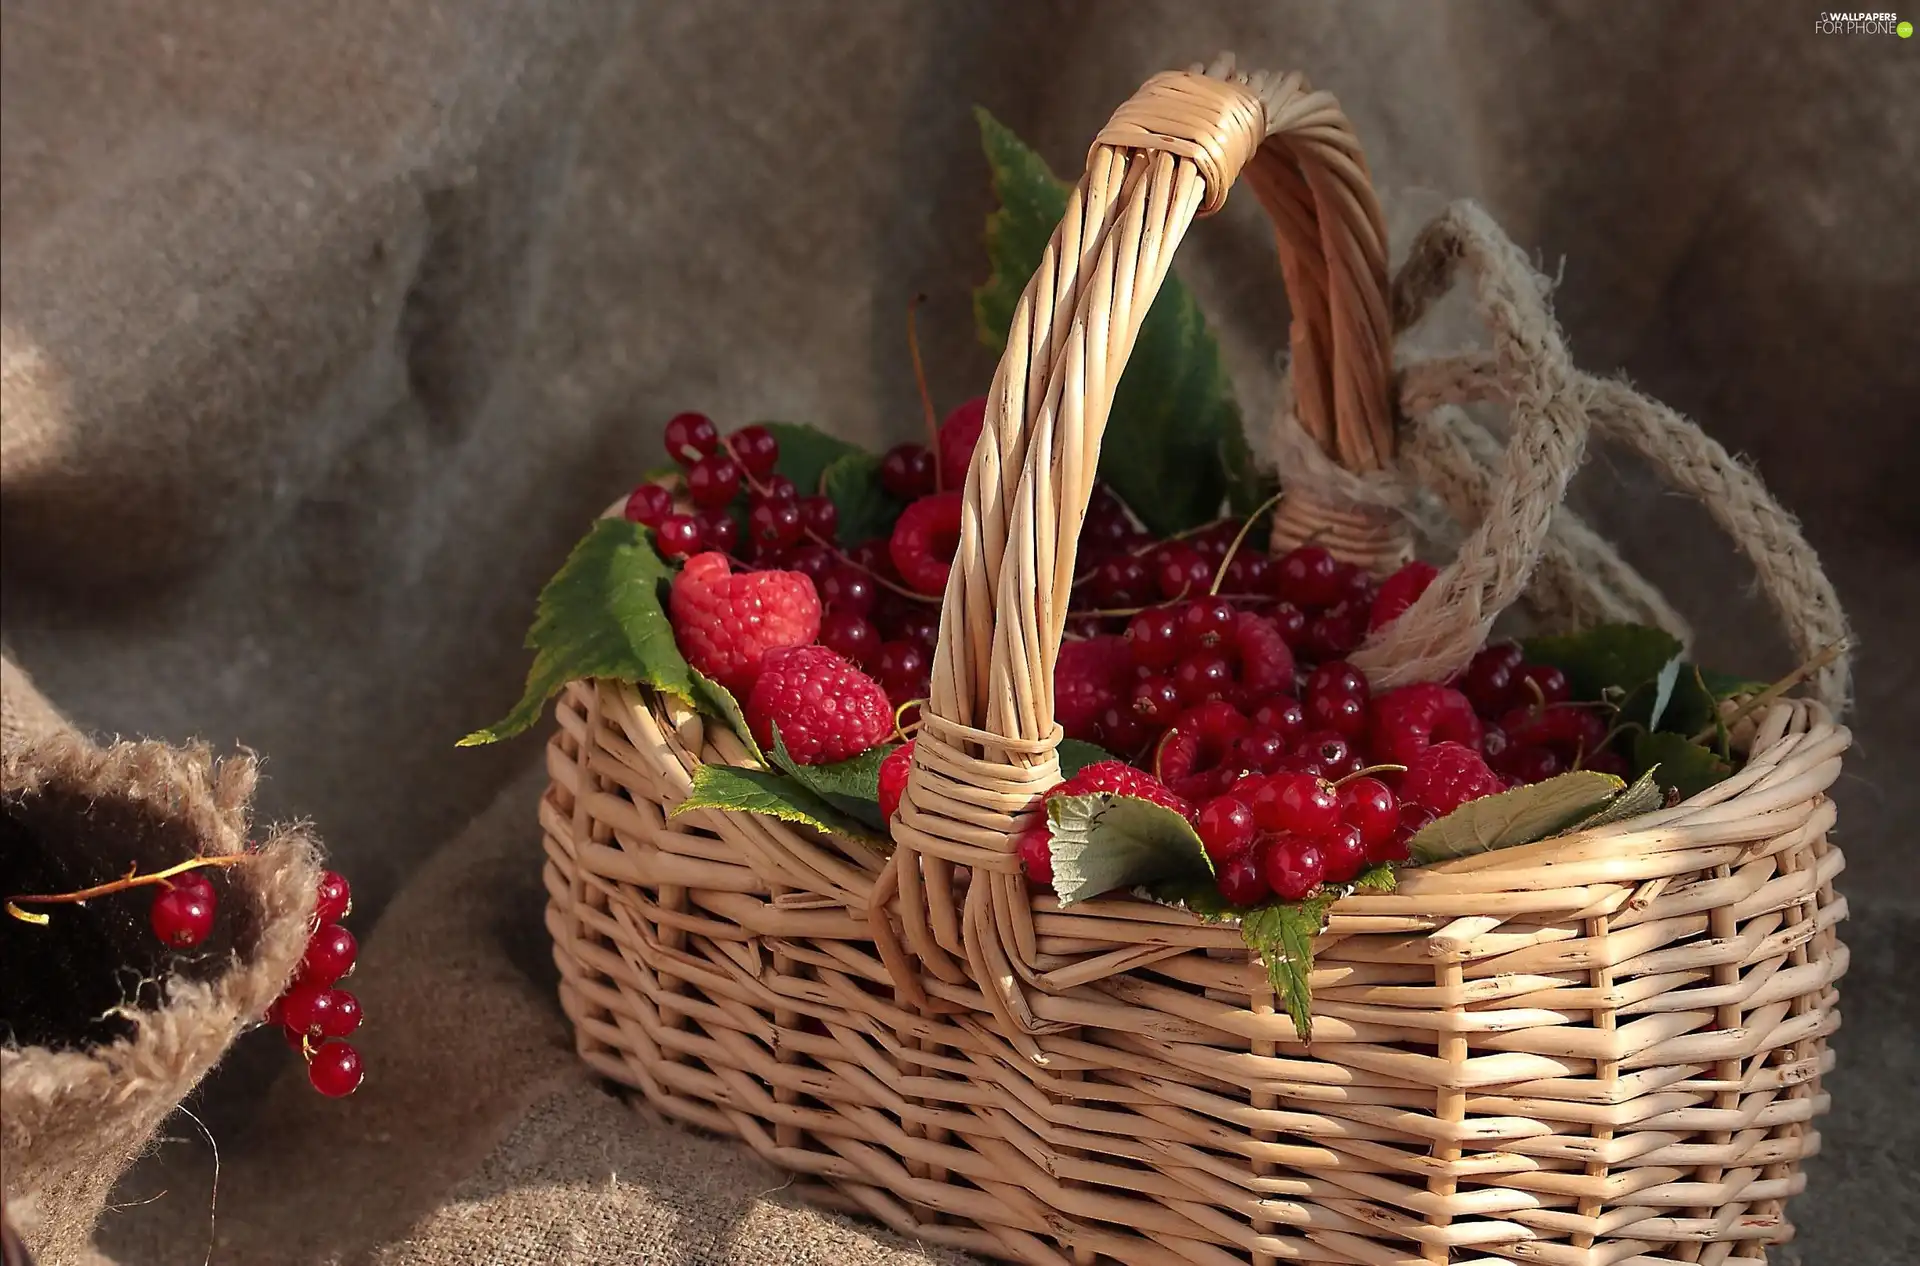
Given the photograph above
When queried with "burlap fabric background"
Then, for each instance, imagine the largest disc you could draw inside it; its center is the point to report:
(327, 326)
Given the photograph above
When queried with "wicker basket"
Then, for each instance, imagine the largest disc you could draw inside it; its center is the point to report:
(1605, 1047)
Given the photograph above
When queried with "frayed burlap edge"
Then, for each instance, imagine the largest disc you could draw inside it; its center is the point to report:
(71, 1121)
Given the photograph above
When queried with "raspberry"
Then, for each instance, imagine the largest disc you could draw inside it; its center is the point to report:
(1122, 779)
(1310, 578)
(726, 624)
(690, 436)
(1488, 680)
(1406, 721)
(1266, 661)
(1445, 776)
(1226, 828)
(755, 449)
(825, 709)
(1177, 758)
(893, 779)
(959, 435)
(924, 540)
(1345, 853)
(907, 471)
(1036, 853)
(649, 504)
(1398, 592)
(1292, 864)
(1090, 677)
(1242, 880)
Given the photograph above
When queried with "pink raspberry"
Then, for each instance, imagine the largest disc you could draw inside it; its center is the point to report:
(1035, 847)
(725, 624)
(1122, 779)
(1405, 722)
(924, 540)
(1091, 675)
(1445, 776)
(893, 779)
(825, 709)
(1398, 592)
(959, 435)
(1266, 662)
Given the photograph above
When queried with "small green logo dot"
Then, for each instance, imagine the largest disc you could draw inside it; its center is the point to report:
(1904, 30)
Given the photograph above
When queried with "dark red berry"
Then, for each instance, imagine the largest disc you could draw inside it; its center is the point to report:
(814, 562)
(918, 623)
(1262, 750)
(1608, 762)
(1205, 623)
(1309, 577)
(1343, 714)
(1296, 802)
(1202, 676)
(1292, 864)
(330, 954)
(678, 536)
(778, 488)
(1283, 715)
(713, 481)
(820, 516)
(1156, 700)
(755, 449)
(1226, 828)
(335, 1069)
(1034, 848)
(1398, 592)
(649, 504)
(690, 436)
(1345, 853)
(1217, 724)
(1335, 632)
(1369, 806)
(1339, 679)
(1122, 730)
(1247, 573)
(1540, 685)
(1406, 721)
(1181, 571)
(1413, 819)
(850, 635)
(1571, 732)
(1291, 621)
(846, 589)
(182, 916)
(335, 898)
(1487, 681)
(194, 882)
(907, 471)
(1242, 881)
(307, 1007)
(341, 1016)
(1153, 636)
(774, 524)
(718, 530)
(902, 659)
(1533, 764)
(1328, 751)
(1122, 581)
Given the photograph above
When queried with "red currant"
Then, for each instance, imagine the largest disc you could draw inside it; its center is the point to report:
(1540, 685)
(182, 916)
(1205, 623)
(690, 436)
(335, 1069)
(1283, 715)
(1345, 853)
(1156, 700)
(814, 562)
(1413, 819)
(1338, 678)
(1335, 632)
(194, 882)
(1309, 577)
(1368, 805)
(919, 623)
(1121, 581)
(330, 954)
(678, 536)
(1261, 750)
(1242, 881)
(901, 659)
(1247, 573)
(335, 898)
(1291, 621)
(1487, 681)
(1122, 730)
(755, 449)
(1343, 714)
(853, 636)
(1607, 762)
(308, 1006)
(778, 488)
(1293, 864)
(718, 530)
(1035, 848)
(1533, 764)
(1296, 802)
(1328, 751)
(846, 589)
(774, 524)
(649, 504)
(713, 481)
(1153, 636)
(907, 471)
(1202, 676)
(1226, 828)
(341, 1016)
(820, 517)
(1181, 570)
(1216, 723)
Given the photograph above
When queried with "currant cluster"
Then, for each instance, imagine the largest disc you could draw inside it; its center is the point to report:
(715, 473)
(314, 1012)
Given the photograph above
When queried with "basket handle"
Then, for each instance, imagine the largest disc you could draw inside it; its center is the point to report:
(986, 743)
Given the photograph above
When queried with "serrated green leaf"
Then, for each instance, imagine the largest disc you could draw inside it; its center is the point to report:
(1680, 763)
(1175, 417)
(1103, 841)
(1607, 657)
(600, 616)
(773, 794)
(1076, 754)
(1282, 935)
(806, 452)
(1644, 796)
(715, 700)
(1521, 816)
(1379, 877)
(1692, 707)
(851, 786)
(1727, 685)
(867, 509)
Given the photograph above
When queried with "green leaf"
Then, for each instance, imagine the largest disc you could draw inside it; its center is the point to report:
(1692, 707)
(1644, 796)
(1104, 841)
(715, 700)
(852, 786)
(1521, 816)
(1663, 684)
(1379, 877)
(1248, 487)
(867, 509)
(1606, 658)
(600, 616)
(1076, 754)
(1282, 935)
(1175, 429)
(774, 794)
(1683, 765)
(806, 452)
(1727, 685)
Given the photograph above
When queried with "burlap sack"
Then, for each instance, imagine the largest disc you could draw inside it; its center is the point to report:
(94, 1060)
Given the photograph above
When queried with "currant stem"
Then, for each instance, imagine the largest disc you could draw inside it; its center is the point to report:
(926, 396)
(133, 879)
(1220, 573)
(1777, 689)
(1368, 772)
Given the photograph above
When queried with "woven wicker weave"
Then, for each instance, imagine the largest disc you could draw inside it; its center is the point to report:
(1597, 1049)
